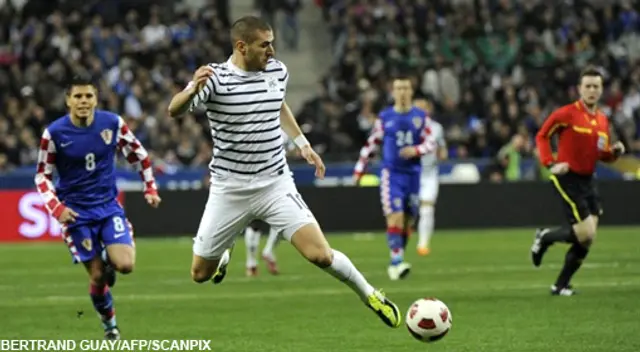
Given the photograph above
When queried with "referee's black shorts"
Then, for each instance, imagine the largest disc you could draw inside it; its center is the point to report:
(579, 196)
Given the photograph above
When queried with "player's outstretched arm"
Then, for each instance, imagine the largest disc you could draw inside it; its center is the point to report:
(137, 156)
(197, 92)
(290, 126)
(44, 180)
(370, 148)
(557, 120)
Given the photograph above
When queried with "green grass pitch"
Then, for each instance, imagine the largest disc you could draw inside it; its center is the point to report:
(499, 302)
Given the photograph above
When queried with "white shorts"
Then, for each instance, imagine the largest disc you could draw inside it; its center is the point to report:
(429, 186)
(233, 204)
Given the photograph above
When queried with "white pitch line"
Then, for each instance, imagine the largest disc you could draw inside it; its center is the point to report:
(275, 294)
(485, 269)
(71, 269)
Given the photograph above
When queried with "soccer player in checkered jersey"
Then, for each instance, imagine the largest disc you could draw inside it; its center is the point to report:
(402, 132)
(82, 146)
(250, 178)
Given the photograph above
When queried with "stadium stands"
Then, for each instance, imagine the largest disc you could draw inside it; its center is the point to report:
(140, 53)
(491, 69)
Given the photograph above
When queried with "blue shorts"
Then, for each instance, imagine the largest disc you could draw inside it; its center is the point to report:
(96, 227)
(399, 192)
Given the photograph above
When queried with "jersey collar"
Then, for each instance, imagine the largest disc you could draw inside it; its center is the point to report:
(240, 71)
(582, 107)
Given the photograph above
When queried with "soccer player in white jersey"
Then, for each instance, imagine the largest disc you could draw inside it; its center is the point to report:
(429, 184)
(250, 178)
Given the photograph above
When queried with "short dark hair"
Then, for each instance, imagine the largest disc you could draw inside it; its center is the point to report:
(80, 80)
(591, 71)
(401, 77)
(245, 28)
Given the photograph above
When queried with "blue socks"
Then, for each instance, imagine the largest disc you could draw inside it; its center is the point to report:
(396, 242)
(103, 304)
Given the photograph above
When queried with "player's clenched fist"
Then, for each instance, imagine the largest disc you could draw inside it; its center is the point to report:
(67, 216)
(618, 148)
(408, 152)
(200, 77)
(153, 199)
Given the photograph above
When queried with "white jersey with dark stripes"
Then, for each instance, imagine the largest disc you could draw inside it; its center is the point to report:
(243, 109)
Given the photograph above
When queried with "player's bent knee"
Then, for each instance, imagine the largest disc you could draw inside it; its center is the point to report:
(321, 257)
(310, 242)
(97, 278)
(585, 231)
(95, 269)
(122, 257)
(200, 275)
(124, 267)
(395, 220)
(202, 269)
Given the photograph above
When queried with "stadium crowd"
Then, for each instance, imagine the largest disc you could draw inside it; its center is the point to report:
(492, 69)
(139, 52)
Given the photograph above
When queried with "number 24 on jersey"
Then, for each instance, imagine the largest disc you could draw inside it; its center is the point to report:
(404, 138)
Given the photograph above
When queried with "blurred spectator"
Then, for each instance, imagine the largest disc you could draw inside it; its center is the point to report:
(140, 53)
(290, 28)
(492, 68)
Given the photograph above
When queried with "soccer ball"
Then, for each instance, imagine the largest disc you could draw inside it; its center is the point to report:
(428, 319)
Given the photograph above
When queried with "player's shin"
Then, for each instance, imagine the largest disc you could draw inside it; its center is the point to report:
(103, 304)
(252, 240)
(425, 226)
(343, 269)
(395, 241)
(561, 234)
(311, 243)
(272, 242)
(573, 260)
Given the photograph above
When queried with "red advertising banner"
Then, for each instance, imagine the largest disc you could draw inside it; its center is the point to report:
(24, 218)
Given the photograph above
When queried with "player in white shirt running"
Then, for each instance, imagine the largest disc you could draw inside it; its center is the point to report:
(250, 178)
(429, 184)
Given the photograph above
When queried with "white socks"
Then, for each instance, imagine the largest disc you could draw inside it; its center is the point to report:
(425, 225)
(252, 240)
(343, 269)
(272, 243)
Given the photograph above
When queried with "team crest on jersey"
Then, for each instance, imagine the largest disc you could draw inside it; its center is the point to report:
(86, 243)
(107, 136)
(417, 122)
(397, 202)
(272, 84)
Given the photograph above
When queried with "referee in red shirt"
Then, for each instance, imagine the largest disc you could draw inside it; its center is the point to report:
(583, 140)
